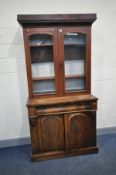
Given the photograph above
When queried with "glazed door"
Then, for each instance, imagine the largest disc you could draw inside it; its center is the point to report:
(42, 65)
(80, 129)
(74, 44)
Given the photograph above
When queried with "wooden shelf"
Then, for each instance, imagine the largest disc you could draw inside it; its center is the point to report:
(65, 44)
(40, 45)
(45, 92)
(52, 77)
(43, 78)
(73, 59)
(75, 76)
(74, 44)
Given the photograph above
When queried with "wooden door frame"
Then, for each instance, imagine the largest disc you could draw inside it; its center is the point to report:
(82, 29)
(41, 30)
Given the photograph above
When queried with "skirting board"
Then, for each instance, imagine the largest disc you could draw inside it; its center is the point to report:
(26, 140)
(14, 142)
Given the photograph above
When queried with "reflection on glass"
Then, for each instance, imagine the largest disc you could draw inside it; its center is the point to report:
(74, 38)
(74, 60)
(40, 39)
(42, 65)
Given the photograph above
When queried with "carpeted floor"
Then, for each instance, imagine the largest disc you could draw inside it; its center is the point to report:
(16, 161)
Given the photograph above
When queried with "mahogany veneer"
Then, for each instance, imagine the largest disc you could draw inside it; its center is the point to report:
(62, 111)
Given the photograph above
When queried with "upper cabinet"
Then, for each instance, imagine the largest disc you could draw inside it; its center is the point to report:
(58, 54)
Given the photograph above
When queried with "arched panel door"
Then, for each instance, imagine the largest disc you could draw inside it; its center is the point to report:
(52, 133)
(81, 130)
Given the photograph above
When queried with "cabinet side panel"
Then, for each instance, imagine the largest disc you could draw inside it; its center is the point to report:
(28, 63)
(35, 136)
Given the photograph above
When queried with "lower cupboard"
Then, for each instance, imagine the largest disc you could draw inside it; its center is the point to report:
(61, 135)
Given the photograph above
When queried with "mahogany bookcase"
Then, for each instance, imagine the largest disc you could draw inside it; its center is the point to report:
(62, 111)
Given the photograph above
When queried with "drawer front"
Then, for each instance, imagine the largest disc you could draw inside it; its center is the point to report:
(66, 108)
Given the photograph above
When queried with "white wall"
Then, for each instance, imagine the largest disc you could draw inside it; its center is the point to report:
(13, 83)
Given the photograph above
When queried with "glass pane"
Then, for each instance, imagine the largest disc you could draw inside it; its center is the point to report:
(72, 84)
(74, 38)
(74, 61)
(43, 69)
(41, 50)
(43, 86)
(74, 67)
(40, 39)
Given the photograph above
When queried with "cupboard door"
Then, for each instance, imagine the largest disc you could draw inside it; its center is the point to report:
(42, 62)
(48, 134)
(75, 57)
(80, 130)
